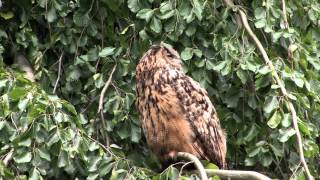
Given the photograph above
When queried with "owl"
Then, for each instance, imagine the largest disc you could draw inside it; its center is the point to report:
(176, 112)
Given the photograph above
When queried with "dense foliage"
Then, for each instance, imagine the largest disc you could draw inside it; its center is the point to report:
(46, 135)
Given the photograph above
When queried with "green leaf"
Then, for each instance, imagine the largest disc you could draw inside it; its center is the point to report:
(275, 120)
(23, 104)
(51, 15)
(24, 157)
(260, 13)
(107, 51)
(165, 7)
(145, 14)
(105, 166)
(314, 61)
(260, 23)
(187, 54)
(167, 15)
(80, 19)
(242, 76)
(303, 127)
(35, 175)
(270, 104)
(263, 81)
(298, 81)
(17, 93)
(191, 30)
(198, 9)
(287, 119)
(53, 139)
(286, 134)
(62, 159)
(25, 142)
(133, 5)
(7, 15)
(156, 25)
(44, 153)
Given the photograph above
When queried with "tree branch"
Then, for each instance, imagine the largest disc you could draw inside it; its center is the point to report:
(236, 174)
(100, 108)
(246, 25)
(196, 162)
(223, 174)
(59, 73)
(105, 88)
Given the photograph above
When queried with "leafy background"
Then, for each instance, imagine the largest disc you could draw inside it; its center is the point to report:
(47, 135)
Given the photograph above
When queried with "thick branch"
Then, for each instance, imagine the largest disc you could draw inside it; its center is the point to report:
(196, 162)
(223, 174)
(236, 174)
(279, 82)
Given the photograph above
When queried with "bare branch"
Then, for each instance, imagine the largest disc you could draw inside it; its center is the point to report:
(59, 73)
(236, 174)
(196, 162)
(279, 82)
(105, 88)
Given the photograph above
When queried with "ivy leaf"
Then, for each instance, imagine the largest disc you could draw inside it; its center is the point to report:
(145, 14)
(23, 104)
(35, 174)
(286, 134)
(156, 25)
(275, 120)
(260, 13)
(198, 9)
(24, 157)
(7, 15)
(187, 54)
(270, 104)
(107, 51)
(167, 15)
(17, 93)
(133, 5)
(51, 15)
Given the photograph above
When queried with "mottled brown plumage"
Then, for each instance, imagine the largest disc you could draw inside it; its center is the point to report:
(177, 114)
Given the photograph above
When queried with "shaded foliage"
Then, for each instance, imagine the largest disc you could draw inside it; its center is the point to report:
(51, 137)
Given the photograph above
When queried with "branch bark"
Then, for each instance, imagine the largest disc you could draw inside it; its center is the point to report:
(236, 174)
(223, 174)
(59, 73)
(100, 108)
(105, 88)
(196, 162)
(246, 25)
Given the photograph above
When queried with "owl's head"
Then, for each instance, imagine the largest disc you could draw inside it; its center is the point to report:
(161, 56)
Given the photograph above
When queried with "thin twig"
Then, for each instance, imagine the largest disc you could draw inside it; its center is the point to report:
(105, 88)
(196, 162)
(284, 13)
(279, 82)
(236, 174)
(100, 108)
(59, 74)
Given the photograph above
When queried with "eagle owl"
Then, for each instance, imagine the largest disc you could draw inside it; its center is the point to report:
(176, 112)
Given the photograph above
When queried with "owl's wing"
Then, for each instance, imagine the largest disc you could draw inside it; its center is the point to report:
(197, 109)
